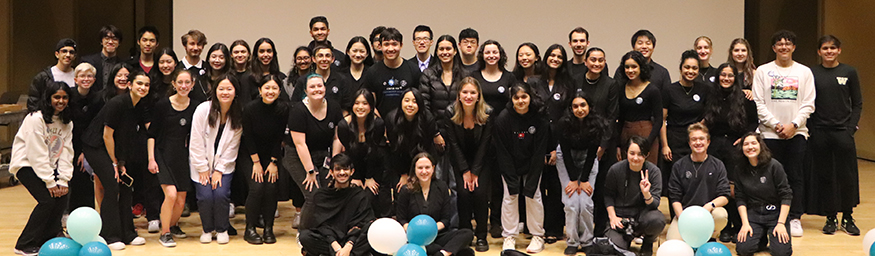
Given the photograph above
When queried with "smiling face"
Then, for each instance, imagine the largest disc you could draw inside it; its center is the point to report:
(469, 95)
(699, 141)
(140, 86)
(225, 92)
(303, 60)
(166, 64)
(240, 55)
(269, 91)
(315, 88)
(635, 157)
(727, 78)
(84, 79)
(422, 41)
(183, 84)
(319, 31)
(580, 108)
(521, 102)
(632, 69)
(109, 42)
(703, 49)
(424, 170)
(751, 147)
(578, 43)
(357, 53)
(192, 48)
(121, 79)
(323, 58)
(555, 59)
(361, 108)
(265, 53)
(784, 49)
(341, 175)
(217, 60)
(644, 46)
(595, 63)
(59, 101)
(147, 43)
(690, 69)
(408, 105)
(65, 55)
(739, 53)
(391, 49)
(829, 52)
(445, 51)
(491, 55)
(525, 57)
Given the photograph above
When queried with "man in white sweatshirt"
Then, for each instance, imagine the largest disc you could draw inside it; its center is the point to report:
(784, 94)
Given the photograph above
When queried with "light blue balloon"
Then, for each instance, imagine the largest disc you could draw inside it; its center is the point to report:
(95, 249)
(872, 250)
(99, 239)
(410, 250)
(84, 224)
(713, 249)
(60, 246)
(422, 230)
(696, 226)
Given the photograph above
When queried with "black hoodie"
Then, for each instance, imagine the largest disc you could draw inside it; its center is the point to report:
(520, 142)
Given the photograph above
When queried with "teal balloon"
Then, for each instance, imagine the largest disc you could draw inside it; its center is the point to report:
(411, 250)
(713, 249)
(696, 226)
(60, 246)
(422, 230)
(95, 249)
(872, 250)
(84, 224)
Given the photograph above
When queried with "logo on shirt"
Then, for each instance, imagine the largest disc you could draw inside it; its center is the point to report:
(337, 63)
(182, 121)
(532, 129)
(696, 97)
(712, 79)
(557, 96)
(334, 89)
(763, 179)
(639, 100)
(501, 89)
(842, 80)
(689, 174)
(784, 87)
(331, 125)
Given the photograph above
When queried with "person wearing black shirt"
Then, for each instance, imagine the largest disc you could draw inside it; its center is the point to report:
(319, 31)
(219, 63)
(358, 60)
(375, 42)
(167, 63)
(632, 192)
(469, 135)
(528, 63)
(521, 138)
(410, 129)
(336, 221)
(698, 179)
(389, 78)
(62, 71)
(578, 42)
(645, 42)
(426, 195)
(119, 86)
(764, 198)
(109, 144)
(729, 115)
(240, 56)
(579, 132)
(338, 88)
(103, 61)
(468, 43)
(640, 108)
(438, 81)
(80, 104)
(303, 66)
(707, 73)
(312, 126)
(683, 103)
(193, 41)
(833, 124)
(168, 152)
(146, 58)
(363, 137)
(264, 62)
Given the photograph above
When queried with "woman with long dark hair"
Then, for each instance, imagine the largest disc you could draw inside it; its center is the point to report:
(411, 129)
(120, 83)
(167, 62)
(168, 152)
(528, 62)
(640, 107)
(42, 159)
(437, 81)
(303, 66)
(363, 137)
(219, 63)
(263, 62)
(358, 59)
(494, 78)
(764, 198)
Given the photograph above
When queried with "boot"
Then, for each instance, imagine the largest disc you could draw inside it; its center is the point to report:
(252, 237)
(269, 237)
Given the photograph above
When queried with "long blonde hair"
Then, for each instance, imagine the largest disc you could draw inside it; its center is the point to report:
(480, 107)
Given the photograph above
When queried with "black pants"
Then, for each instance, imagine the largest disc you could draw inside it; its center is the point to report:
(45, 219)
(452, 241)
(600, 212)
(240, 181)
(791, 154)
(261, 199)
(474, 204)
(554, 210)
(650, 225)
(316, 244)
(115, 209)
(763, 222)
(81, 187)
(147, 189)
(678, 141)
(497, 193)
(834, 183)
(721, 147)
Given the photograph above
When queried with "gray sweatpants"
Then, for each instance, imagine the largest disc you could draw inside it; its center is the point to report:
(579, 223)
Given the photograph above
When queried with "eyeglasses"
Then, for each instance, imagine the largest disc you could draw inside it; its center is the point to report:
(421, 39)
(302, 58)
(110, 38)
(779, 44)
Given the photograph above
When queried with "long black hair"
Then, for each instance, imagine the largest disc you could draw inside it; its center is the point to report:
(370, 119)
(518, 71)
(255, 63)
(46, 105)
(411, 132)
(642, 64)
(535, 103)
(235, 113)
(726, 102)
(458, 71)
(225, 68)
(111, 90)
(593, 126)
(502, 60)
(562, 77)
(763, 158)
(347, 61)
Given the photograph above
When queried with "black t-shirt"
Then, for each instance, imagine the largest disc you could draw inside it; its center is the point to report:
(170, 127)
(124, 118)
(263, 129)
(658, 75)
(685, 105)
(366, 156)
(337, 88)
(84, 108)
(320, 133)
(838, 103)
(496, 93)
(471, 69)
(388, 84)
(707, 75)
(647, 106)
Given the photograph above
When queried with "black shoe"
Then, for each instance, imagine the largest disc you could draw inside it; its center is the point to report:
(550, 240)
(725, 236)
(27, 252)
(830, 227)
(185, 211)
(482, 245)
(252, 237)
(849, 227)
(269, 237)
(166, 240)
(646, 247)
(495, 231)
(232, 231)
(570, 250)
(260, 222)
(467, 251)
(177, 232)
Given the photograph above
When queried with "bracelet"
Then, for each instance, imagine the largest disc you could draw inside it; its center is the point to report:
(781, 222)
(645, 199)
(256, 161)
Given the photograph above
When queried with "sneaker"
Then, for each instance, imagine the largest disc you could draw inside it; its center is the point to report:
(276, 214)
(154, 226)
(849, 227)
(509, 243)
(27, 252)
(830, 227)
(177, 232)
(231, 211)
(223, 238)
(796, 228)
(536, 246)
(138, 241)
(117, 246)
(137, 210)
(482, 245)
(638, 240)
(206, 237)
(185, 211)
(570, 250)
(64, 220)
(297, 221)
(166, 240)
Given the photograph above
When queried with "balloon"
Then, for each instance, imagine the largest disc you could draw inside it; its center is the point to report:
(868, 240)
(99, 239)
(713, 249)
(871, 250)
(696, 225)
(95, 249)
(84, 224)
(411, 249)
(422, 230)
(674, 248)
(60, 246)
(386, 235)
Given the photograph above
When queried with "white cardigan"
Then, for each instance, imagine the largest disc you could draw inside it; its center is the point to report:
(44, 147)
(203, 156)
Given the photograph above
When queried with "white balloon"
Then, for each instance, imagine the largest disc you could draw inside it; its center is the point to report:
(868, 240)
(386, 236)
(674, 248)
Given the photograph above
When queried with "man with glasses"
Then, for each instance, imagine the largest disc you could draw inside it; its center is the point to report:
(103, 61)
(468, 43)
(62, 71)
(422, 40)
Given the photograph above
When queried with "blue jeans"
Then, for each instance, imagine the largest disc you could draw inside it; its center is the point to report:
(579, 223)
(214, 205)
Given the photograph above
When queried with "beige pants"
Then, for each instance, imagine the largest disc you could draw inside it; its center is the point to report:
(720, 219)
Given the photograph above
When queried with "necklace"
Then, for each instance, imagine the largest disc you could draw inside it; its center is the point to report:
(688, 90)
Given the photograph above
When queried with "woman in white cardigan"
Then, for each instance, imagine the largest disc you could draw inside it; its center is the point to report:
(42, 159)
(215, 138)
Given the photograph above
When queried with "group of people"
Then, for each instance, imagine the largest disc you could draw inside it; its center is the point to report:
(351, 136)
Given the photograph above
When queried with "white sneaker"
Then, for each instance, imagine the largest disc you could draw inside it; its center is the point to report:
(117, 246)
(154, 226)
(231, 211)
(206, 237)
(223, 238)
(536, 246)
(796, 228)
(638, 240)
(276, 214)
(509, 243)
(297, 221)
(138, 241)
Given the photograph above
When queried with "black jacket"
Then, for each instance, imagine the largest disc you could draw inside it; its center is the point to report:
(437, 95)
(455, 137)
(97, 61)
(622, 190)
(520, 143)
(37, 87)
(438, 206)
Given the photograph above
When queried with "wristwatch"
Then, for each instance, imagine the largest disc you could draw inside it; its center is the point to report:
(311, 171)
(273, 160)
